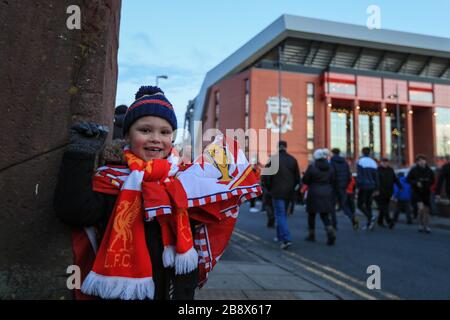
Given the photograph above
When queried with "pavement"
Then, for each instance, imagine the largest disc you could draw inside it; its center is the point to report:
(259, 281)
(440, 223)
(253, 270)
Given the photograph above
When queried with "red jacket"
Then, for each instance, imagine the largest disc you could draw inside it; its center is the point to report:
(351, 185)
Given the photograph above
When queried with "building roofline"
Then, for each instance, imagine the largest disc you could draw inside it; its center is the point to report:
(322, 30)
(338, 32)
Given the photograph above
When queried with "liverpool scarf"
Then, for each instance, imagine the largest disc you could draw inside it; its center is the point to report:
(209, 191)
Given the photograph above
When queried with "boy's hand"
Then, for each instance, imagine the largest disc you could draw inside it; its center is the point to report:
(86, 137)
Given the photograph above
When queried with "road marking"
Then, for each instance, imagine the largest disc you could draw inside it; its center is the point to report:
(252, 237)
(321, 274)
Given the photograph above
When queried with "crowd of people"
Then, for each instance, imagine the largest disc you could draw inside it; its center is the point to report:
(328, 185)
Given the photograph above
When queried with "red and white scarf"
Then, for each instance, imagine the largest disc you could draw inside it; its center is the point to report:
(158, 189)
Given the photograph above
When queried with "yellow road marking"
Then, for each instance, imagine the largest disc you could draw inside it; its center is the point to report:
(250, 237)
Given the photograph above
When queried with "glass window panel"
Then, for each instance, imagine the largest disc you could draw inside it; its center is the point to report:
(345, 88)
(443, 132)
(310, 129)
(310, 89)
(376, 139)
(369, 132)
(310, 107)
(310, 115)
(310, 145)
(422, 96)
(342, 131)
(398, 137)
(388, 129)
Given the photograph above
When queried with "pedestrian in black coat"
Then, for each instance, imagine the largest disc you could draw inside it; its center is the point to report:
(320, 178)
(421, 178)
(283, 184)
(282, 187)
(444, 178)
(387, 178)
(343, 178)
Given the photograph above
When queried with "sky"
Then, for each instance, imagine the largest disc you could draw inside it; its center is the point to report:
(186, 39)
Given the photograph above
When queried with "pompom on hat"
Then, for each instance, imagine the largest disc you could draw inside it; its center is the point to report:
(150, 101)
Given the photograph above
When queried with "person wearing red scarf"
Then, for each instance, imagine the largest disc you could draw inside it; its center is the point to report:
(140, 226)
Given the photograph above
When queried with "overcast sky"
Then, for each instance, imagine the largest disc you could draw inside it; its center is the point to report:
(185, 39)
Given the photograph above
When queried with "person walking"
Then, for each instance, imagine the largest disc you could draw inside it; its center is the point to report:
(387, 179)
(351, 201)
(367, 184)
(421, 178)
(343, 178)
(257, 171)
(402, 197)
(281, 187)
(444, 178)
(320, 178)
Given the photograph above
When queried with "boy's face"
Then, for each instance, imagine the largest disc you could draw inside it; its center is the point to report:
(150, 138)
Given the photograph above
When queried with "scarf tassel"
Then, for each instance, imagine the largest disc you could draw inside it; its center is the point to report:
(118, 287)
(186, 262)
(169, 256)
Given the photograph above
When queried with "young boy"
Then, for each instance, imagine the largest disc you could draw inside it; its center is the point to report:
(148, 128)
(137, 259)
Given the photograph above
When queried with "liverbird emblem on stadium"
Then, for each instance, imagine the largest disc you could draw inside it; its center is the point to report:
(277, 118)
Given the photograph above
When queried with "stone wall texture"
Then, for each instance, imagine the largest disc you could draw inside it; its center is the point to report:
(50, 77)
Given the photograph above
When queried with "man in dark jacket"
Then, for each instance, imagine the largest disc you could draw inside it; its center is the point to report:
(387, 179)
(343, 177)
(421, 178)
(444, 177)
(282, 187)
(367, 183)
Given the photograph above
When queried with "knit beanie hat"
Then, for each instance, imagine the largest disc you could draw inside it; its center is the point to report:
(150, 101)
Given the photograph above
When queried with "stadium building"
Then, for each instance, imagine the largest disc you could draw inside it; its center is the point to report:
(339, 85)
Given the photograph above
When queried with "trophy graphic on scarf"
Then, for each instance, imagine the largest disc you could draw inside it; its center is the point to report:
(219, 158)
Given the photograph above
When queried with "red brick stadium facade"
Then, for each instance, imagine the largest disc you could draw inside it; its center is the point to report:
(338, 94)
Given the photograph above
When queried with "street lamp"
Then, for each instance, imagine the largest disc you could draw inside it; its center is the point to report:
(399, 152)
(161, 77)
